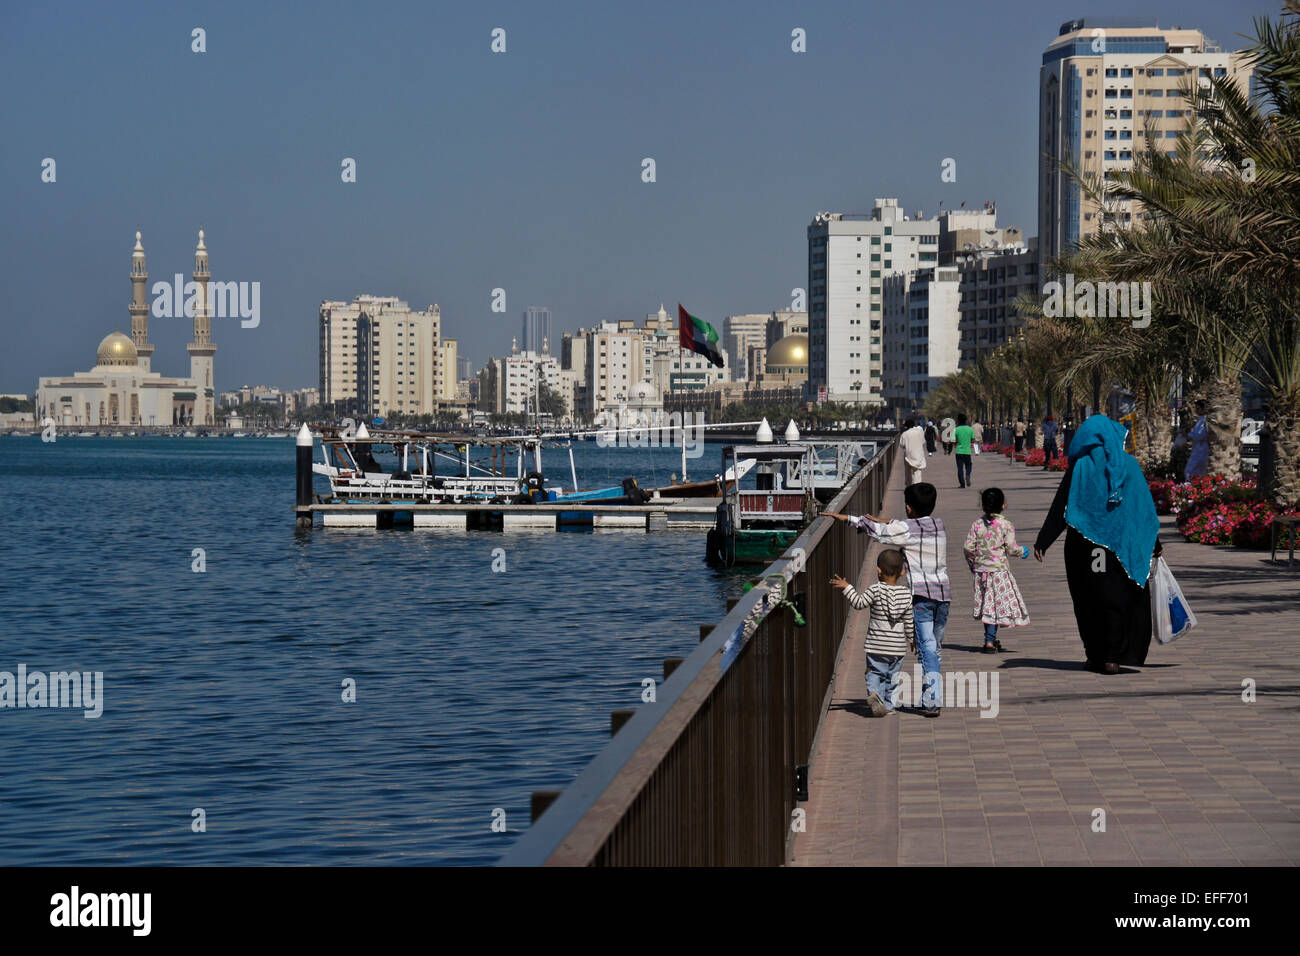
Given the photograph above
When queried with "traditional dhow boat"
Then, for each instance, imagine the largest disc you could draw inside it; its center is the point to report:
(755, 525)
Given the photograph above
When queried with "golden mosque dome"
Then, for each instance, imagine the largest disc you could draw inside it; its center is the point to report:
(117, 349)
(790, 353)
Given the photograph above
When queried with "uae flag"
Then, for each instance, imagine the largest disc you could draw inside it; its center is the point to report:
(698, 336)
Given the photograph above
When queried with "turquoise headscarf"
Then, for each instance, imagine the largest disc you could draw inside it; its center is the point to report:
(1110, 502)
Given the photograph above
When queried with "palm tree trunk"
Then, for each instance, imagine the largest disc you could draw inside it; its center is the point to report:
(1284, 426)
(1223, 416)
(1154, 435)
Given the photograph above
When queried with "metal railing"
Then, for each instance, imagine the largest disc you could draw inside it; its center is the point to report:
(708, 774)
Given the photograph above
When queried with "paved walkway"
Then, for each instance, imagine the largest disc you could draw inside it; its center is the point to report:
(1186, 772)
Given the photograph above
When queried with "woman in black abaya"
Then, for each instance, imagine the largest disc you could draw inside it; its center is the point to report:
(1105, 507)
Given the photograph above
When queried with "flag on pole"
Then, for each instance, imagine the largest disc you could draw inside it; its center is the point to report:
(698, 336)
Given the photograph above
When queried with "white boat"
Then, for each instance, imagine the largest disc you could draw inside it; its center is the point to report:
(238, 435)
(277, 435)
(190, 435)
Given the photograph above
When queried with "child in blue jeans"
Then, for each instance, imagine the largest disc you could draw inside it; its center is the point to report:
(925, 545)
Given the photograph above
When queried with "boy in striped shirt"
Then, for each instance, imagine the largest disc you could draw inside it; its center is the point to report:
(890, 630)
(925, 546)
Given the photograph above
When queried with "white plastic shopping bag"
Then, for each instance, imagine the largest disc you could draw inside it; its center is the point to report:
(1171, 615)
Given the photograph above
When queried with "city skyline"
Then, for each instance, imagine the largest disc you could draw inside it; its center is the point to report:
(445, 209)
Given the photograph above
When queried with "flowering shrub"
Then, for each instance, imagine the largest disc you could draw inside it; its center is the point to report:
(1007, 450)
(991, 448)
(1162, 490)
(1212, 509)
(1059, 463)
(1205, 491)
(1035, 456)
(1019, 456)
(1244, 524)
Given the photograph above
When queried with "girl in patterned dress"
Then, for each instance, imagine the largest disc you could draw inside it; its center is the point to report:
(992, 540)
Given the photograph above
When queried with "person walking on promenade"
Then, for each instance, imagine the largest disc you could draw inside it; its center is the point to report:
(990, 542)
(1067, 433)
(931, 437)
(1020, 434)
(925, 546)
(977, 436)
(946, 435)
(964, 436)
(1106, 508)
(912, 443)
(1049, 441)
(1198, 462)
(890, 629)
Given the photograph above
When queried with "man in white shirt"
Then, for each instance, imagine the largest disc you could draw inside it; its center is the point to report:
(912, 441)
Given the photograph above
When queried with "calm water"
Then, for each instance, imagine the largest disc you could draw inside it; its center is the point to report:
(222, 690)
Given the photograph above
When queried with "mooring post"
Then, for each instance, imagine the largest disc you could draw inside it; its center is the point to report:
(617, 718)
(303, 507)
(540, 800)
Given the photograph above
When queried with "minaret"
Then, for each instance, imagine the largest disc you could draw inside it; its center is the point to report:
(139, 306)
(201, 349)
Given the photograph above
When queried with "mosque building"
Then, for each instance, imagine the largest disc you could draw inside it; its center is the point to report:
(122, 388)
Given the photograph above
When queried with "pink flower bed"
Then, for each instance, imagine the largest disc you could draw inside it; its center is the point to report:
(1213, 509)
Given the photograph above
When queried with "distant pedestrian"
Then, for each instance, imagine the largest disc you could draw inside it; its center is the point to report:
(1067, 433)
(977, 437)
(1198, 463)
(1020, 434)
(912, 443)
(931, 437)
(964, 437)
(946, 435)
(891, 629)
(1049, 441)
(997, 598)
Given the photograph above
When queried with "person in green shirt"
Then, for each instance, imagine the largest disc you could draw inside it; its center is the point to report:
(964, 435)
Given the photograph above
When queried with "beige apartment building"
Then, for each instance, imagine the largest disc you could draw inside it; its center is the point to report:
(380, 357)
(1109, 87)
(447, 365)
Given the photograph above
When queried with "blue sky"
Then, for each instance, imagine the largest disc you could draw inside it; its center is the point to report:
(477, 170)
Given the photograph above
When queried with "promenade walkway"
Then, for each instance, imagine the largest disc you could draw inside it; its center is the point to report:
(1186, 772)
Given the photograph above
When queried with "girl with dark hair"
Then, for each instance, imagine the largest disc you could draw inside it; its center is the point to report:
(997, 598)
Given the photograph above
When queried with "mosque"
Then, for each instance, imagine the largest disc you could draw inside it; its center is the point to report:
(122, 389)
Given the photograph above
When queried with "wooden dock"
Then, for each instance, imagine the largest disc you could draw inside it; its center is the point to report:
(666, 514)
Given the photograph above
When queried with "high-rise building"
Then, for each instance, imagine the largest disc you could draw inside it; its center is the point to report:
(921, 333)
(377, 357)
(848, 258)
(739, 332)
(447, 364)
(1104, 84)
(338, 350)
(615, 362)
(398, 358)
(991, 282)
(536, 328)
